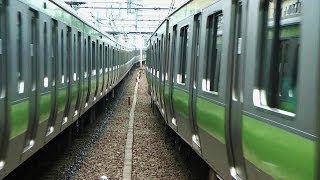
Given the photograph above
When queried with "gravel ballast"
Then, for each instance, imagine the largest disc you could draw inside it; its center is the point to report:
(153, 158)
(106, 156)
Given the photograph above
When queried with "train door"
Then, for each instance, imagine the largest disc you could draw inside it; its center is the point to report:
(165, 91)
(234, 91)
(93, 70)
(157, 73)
(74, 85)
(172, 42)
(4, 126)
(161, 72)
(152, 67)
(180, 94)
(68, 76)
(160, 87)
(53, 70)
(106, 66)
(86, 73)
(279, 106)
(100, 70)
(193, 80)
(78, 73)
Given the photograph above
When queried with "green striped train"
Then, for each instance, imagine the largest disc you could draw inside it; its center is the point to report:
(53, 67)
(238, 81)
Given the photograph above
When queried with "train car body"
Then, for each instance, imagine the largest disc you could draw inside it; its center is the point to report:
(238, 81)
(54, 67)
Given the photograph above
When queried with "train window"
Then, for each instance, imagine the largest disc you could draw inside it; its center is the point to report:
(173, 49)
(62, 57)
(159, 58)
(45, 54)
(106, 59)
(69, 54)
(109, 59)
(280, 56)
(196, 49)
(54, 46)
(214, 27)
(93, 59)
(79, 55)
(152, 61)
(85, 59)
(167, 61)
(20, 58)
(33, 47)
(74, 58)
(118, 58)
(181, 76)
(101, 60)
(156, 58)
(113, 59)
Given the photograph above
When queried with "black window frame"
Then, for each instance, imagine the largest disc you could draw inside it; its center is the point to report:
(183, 50)
(269, 76)
(212, 58)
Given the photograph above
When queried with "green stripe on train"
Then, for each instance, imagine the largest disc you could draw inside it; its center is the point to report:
(19, 118)
(45, 106)
(74, 94)
(61, 99)
(180, 102)
(210, 118)
(279, 153)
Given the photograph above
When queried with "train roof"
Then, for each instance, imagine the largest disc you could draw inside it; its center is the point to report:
(40, 5)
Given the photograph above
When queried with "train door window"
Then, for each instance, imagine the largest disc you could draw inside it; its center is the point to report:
(182, 74)
(152, 59)
(118, 58)
(100, 59)
(113, 59)
(106, 59)
(167, 60)
(45, 58)
(154, 71)
(69, 54)
(93, 58)
(156, 58)
(62, 57)
(79, 55)
(214, 27)
(173, 48)
(163, 59)
(196, 49)
(20, 55)
(109, 59)
(159, 58)
(74, 59)
(85, 59)
(33, 47)
(280, 57)
(54, 46)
